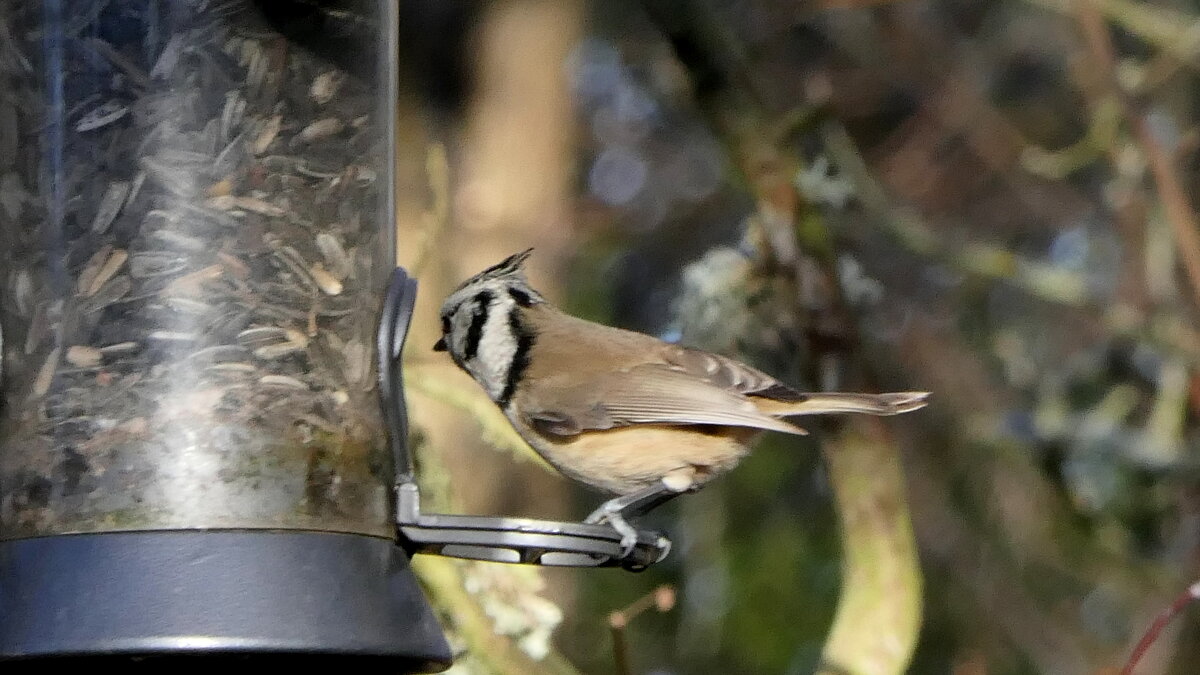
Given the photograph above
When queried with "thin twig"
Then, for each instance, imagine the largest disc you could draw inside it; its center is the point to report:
(1169, 30)
(1175, 202)
(616, 626)
(1160, 622)
(661, 599)
(1170, 190)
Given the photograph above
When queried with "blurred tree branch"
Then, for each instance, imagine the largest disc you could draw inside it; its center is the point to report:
(485, 648)
(1012, 546)
(1178, 210)
(1168, 29)
(492, 612)
(448, 175)
(881, 583)
(1047, 282)
(878, 618)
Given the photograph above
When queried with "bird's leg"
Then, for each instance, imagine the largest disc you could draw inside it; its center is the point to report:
(616, 510)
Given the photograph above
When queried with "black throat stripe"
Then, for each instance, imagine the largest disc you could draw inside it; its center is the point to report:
(520, 361)
(520, 297)
(479, 317)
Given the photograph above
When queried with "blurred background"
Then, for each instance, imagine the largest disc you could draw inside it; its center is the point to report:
(992, 201)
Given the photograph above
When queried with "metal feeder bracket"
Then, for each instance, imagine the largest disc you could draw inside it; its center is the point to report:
(497, 539)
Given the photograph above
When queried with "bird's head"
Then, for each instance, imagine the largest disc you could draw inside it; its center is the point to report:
(482, 327)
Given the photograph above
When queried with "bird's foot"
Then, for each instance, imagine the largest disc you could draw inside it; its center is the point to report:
(610, 513)
(616, 510)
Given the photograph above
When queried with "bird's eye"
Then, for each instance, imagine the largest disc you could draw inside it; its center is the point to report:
(445, 324)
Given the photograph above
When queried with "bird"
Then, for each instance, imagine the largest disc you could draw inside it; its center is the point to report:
(622, 412)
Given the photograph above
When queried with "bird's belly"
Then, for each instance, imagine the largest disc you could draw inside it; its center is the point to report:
(627, 459)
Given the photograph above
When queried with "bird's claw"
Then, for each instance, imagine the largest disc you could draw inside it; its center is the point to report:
(628, 543)
(613, 517)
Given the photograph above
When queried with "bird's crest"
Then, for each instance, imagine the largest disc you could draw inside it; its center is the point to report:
(513, 265)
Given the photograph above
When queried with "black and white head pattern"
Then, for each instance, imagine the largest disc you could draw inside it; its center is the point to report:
(484, 331)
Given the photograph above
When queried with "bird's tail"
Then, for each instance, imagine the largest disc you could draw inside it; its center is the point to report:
(825, 403)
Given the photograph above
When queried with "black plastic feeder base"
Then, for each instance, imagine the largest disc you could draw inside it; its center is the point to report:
(216, 596)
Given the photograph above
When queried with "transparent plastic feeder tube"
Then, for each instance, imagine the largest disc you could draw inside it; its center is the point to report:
(195, 230)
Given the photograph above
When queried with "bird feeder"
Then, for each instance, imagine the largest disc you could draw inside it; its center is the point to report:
(196, 208)
(202, 420)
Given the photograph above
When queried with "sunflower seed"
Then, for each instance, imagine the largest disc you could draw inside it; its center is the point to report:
(282, 381)
(105, 114)
(328, 283)
(83, 356)
(321, 129)
(106, 271)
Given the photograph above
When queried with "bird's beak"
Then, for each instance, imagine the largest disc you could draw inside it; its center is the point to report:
(440, 345)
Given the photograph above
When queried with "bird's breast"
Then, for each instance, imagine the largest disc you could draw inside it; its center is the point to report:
(626, 459)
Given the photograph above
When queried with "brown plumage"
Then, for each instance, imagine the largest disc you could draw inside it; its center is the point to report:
(618, 410)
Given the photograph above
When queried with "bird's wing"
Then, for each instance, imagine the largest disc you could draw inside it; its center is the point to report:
(646, 394)
(726, 373)
(782, 400)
